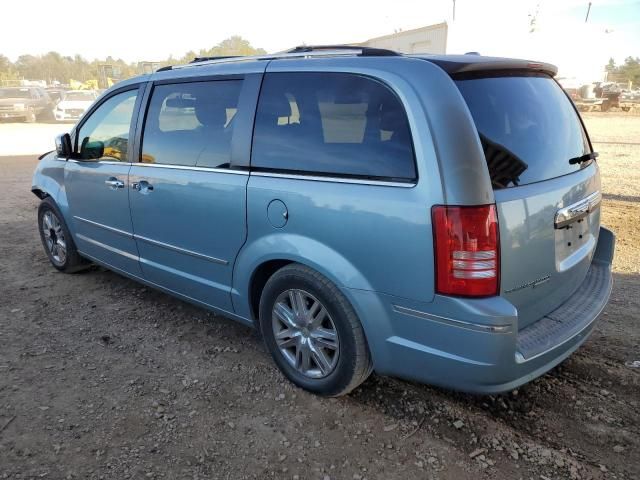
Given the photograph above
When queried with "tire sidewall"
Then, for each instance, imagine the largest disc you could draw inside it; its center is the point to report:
(31, 115)
(341, 376)
(48, 205)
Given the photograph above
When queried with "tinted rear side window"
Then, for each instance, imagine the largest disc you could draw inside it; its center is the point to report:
(332, 124)
(191, 124)
(528, 128)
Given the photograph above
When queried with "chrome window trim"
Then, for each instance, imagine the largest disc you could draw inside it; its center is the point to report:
(106, 227)
(104, 162)
(315, 178)
(173, 167)
(292, 176)
(195, 169)
(180, 250)
(478, 327)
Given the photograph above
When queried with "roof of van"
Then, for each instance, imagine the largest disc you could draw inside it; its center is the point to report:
(452, 64)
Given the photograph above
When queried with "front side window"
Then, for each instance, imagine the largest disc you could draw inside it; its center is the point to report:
(332, 124)
(191, 124)
(105, 134)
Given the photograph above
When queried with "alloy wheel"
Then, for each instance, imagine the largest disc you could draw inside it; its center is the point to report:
(305, 333)
(54, 237)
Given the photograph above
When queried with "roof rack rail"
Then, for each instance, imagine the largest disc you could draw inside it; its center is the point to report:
(304, 51)
(364, 51)
(198, 60)
(206, 59)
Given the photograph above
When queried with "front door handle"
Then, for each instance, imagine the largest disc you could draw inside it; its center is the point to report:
(114, 183)
(142, 186)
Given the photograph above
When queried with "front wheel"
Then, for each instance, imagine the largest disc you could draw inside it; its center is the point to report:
(56, 239)
(312, 332)
(30, 116)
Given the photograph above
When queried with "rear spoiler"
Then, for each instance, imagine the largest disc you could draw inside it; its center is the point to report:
(471, 63)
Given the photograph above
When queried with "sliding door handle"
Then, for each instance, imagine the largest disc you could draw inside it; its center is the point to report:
(142, 186)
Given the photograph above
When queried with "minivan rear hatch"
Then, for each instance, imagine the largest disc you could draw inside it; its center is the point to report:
(546, 185)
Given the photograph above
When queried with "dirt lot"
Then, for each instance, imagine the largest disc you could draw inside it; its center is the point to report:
(24, 138)
(101, 377)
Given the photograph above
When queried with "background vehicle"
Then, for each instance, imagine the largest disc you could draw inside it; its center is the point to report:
(27, 103)
(303, 194)
(55, 94)
(73, 104)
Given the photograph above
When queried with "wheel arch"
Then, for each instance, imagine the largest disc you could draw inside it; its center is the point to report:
(259, 278)
(259, 260)
(41, 194)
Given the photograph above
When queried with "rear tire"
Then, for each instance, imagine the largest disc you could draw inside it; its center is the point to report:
(313, 333)
(56, 239)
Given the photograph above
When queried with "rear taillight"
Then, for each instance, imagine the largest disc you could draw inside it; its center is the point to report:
(467, 250)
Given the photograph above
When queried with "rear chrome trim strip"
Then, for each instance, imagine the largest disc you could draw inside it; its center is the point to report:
(478, 327)
(180, 250)
(574, 212)
(111, 229)
(315, 178)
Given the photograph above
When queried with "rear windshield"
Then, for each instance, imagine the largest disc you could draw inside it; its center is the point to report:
(528, 128)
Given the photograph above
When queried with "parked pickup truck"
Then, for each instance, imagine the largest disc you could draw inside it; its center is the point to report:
(26, 103)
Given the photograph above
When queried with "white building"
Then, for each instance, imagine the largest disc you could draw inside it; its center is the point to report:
(430, 39)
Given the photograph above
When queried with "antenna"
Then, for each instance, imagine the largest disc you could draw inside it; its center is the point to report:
(588, 11)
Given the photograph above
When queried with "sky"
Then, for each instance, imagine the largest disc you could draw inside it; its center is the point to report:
(137, 30)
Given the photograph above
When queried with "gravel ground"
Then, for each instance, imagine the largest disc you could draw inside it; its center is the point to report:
(101, 377)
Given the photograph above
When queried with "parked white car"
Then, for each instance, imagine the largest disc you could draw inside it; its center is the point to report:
(73, 104)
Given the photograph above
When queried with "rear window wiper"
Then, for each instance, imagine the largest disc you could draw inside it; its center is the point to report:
(584, 158)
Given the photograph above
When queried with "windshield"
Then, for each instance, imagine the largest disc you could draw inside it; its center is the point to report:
(15, 93)
(528, 127)
(86, 96)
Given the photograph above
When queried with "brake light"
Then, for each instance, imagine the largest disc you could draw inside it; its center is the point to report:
(466, 241)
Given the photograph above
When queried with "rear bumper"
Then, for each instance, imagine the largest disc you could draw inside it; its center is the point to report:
(475, 345)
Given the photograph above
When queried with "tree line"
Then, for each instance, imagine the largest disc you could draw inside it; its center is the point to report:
(629, 70)
(53, 67)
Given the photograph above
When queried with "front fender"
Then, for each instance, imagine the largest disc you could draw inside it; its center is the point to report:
(294, 248)
(48, 179)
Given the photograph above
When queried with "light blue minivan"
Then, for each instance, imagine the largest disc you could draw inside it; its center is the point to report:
(435, 218)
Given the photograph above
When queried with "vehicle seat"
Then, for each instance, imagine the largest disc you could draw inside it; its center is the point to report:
(278, 141)
(212, 138)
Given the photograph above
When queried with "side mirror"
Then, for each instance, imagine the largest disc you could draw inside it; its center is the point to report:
(63, 145)
(93, 150)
